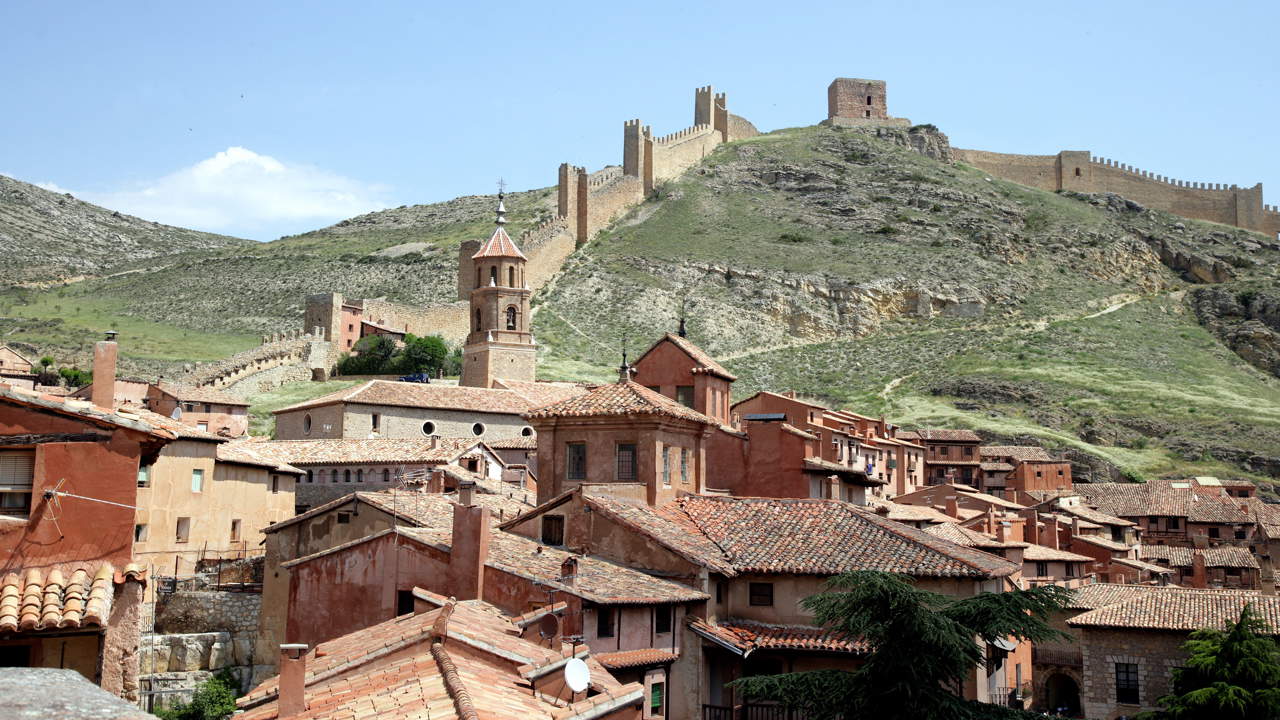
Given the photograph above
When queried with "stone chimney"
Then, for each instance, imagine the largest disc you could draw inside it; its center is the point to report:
(1199, 573)
(1051, 530)
(1075, 527)
(569, 570)
(1003, 531)
(103, 391)
(953, 507)
(470, 548)
(292, 699)
(1267, 581)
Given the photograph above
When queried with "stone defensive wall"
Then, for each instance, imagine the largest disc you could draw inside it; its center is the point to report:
(1080, 171)
(282, 357)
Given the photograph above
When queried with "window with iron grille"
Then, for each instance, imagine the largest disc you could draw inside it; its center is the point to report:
(1127, 683)
(553, 529)
(684, 466)
(666, 464)
(626, 462)
(662, 619)
(760, 594)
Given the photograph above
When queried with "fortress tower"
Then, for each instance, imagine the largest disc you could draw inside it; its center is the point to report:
(499, 344)
(855, 101)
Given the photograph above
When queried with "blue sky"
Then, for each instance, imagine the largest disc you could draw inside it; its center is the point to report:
(263, 119)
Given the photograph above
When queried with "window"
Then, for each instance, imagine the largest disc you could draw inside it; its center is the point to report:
(868, 99)
(477, 277)
(1077, 172)
(1213, 533)
(477, 429)
(867, 113)
(1117, 534)
(493, 275)
(1127, 683)
(657, 699)
(1240, 533)
(428, 428)
(477, 321)
(526, 431)
(576, 461)
(1039, 473)
(360, 475)
(140, 532)
(1042, 569)
(552, 529)
(666, 465)
(968, 452)
(684, 466)
(684, 395)
(275, 484)
(1174, 523)
(720, 587)
(197, 480)
(626, 462)
(344, 518)
(310, 477)
(183, 531)
(662, 619)
(144, 476)
(604, 622)
(1071, 569)
(386, 475)
(346, 475)
(511, 277)
(235, 531)
(202, 426)
(511, 318)
(1233, 572)
(404, 602)
(943, 451)
(306, 424)
(375, 420)
(760, 593)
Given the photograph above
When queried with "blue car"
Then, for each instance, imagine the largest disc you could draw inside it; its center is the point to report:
(416, 377)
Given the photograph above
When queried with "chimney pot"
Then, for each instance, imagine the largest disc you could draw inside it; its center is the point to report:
(569, 570)
(466, 493)
(469, 550)
(102, 392)
(292, 699)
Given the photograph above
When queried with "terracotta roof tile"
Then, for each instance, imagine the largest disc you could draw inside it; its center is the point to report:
(1183, 610)
(644, 657)
(1044, 553)
(82, 409)
(745, 636)
(1019, 453)
(246, 454)
(667, 526)
(34, 600)
(360, 451)
(621, 399)
(996, 466)
(1085, 512)
(1232, 557)
(828, 537)
(909, 513)
(967, 537)
(415, 507)
(1159, 497)
(706, 363)
(541, 393)
(424, 395)
(819, 465)
(523, 442)
(191, 393)
(946, 435)
(499, 244)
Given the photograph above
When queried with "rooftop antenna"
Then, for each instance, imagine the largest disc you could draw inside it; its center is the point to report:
(681, 332)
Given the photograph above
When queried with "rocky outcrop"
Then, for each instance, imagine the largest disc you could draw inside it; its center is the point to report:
(1245, 320)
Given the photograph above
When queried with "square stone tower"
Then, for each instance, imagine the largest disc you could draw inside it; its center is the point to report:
(855, 98)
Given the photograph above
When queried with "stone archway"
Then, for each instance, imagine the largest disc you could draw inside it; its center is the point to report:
(1062, 694)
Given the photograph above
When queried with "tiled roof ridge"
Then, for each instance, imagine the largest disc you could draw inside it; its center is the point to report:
(586, 498)
(697, 354)
(925, 540)
(448, 671)
(499, 244)
(336, 396)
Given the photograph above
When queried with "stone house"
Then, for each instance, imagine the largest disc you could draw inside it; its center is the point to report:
(15, 369)
(757, 558)
(446, 659)
(201, 407)
(1232, 568)
(334, 468)
(951, 456)
(1177, 512)
(1130, 647)
(1010, 469)
(387, 409)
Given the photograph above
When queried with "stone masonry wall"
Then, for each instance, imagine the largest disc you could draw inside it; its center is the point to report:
(196, 634)
(280, 358)
(1080, 171)
(1155, 653)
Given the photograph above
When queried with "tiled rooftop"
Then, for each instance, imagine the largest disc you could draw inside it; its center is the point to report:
(415, 507)
(191, 393)
(467, 650)
(1159, 497)
(1181, 610)
(360, 451)
(706, 363)
(1044, 553)
(827, 537)
(1019, 453)
(946, 435)
(644, 657)
(1226, 556)
(1100, 595)
(627, 399)
(82, 409)
(35, 600)
(246, 454)
(541, 393)
(859, 475)
(58, 694)
(970, 538)
(424, 395)
(745, 636)
(1094, 516)
(522, 442)
(499, 244)
(666, 526)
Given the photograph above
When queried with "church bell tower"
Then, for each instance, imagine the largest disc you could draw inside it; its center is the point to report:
(500, 344)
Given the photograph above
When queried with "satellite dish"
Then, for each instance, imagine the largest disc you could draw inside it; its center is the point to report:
(1005, 644)
(577, 675)
(176, 414)
(549, 626)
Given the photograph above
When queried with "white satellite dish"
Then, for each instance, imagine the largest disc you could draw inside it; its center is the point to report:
(577, 675)
(176, 414)
(1005, 644)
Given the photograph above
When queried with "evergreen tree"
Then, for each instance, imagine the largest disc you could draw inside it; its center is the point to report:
(1231, 675)
(921, 647)
(422, 354)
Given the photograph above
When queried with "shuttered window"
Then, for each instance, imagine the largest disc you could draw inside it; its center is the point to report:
(17, 474)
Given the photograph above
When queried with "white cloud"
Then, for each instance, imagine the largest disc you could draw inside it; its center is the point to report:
(240, 192)
(52, 187)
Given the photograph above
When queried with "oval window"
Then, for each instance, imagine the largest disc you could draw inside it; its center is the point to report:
(428, 428)
(306, 423)
(526, 431)
(477, 429)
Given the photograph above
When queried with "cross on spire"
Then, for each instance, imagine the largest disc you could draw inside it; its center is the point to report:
(502, 208)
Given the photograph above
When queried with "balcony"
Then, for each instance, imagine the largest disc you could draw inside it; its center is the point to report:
(1070, 657)
(749, 711)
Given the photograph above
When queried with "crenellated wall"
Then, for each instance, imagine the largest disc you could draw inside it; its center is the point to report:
(1080, 171)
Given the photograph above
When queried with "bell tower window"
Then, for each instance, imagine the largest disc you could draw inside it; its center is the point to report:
(493, 275)
(511, 277)
(511, 318)
(477, 320)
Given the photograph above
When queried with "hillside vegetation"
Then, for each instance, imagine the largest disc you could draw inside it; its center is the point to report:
(859, 267)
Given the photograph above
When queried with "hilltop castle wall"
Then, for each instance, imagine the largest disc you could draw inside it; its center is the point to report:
(1080, 171)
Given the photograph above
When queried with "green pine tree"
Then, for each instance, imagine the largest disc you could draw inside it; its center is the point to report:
(1230, 675)
(921, 647)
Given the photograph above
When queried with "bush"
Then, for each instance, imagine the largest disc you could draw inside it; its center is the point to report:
(215, 699)
(1036, 221)
(886, 230)
(791, 237)
(379, 355)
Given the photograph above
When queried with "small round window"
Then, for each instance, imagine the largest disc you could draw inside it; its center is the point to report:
(526, 431)
(477, 429)
(306, 423)
(428, 428)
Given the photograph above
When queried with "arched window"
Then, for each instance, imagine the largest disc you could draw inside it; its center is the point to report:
(360, 475)
(346, 475)
(310, 477)
(511, 277)
(511, 317)
(477, 319)
(386, 475)
(493, 275)
(868, 99)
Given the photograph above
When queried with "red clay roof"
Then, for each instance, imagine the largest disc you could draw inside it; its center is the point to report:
(1159, 497)
(706, 363)
(971, 538)
(946, 435)
(82, 409)
(644, 657)
(191, 393)
(1019, 453)
(1179, 609)
(357, 451)
(621, 399)
(424, 395)
(746, 636)
(499, 244)
(1232, 557)
(35, 600)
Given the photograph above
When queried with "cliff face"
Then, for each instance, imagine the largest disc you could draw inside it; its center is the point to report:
(1245, 319)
